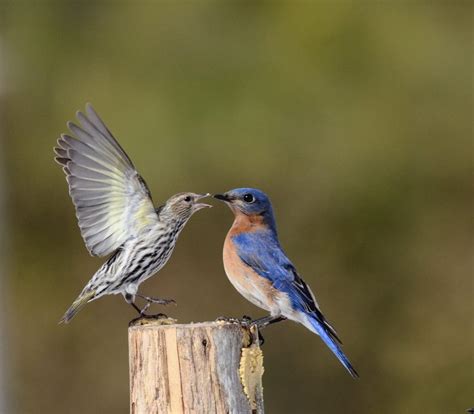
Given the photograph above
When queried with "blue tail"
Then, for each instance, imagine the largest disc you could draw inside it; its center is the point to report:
(333, 346)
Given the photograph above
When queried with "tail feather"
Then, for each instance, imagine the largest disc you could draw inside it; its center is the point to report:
(328, 339)
(77, 305)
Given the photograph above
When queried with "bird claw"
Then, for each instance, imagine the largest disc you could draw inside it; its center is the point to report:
(246, 322)
(148, 303)
(158, 301)
(246, 319)
(155, 316)
(165, 302)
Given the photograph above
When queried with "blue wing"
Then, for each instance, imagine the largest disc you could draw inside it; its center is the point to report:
(263, 253)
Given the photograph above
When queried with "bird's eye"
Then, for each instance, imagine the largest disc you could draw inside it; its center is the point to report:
(187, 199)
(249, 198)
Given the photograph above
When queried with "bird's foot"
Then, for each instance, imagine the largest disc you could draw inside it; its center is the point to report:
(246, 320)
(155, 316)
(257, 326)
(267, 320)
(158, 301)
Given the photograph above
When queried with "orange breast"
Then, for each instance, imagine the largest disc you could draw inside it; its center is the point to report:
(246, 224)
(248, 283)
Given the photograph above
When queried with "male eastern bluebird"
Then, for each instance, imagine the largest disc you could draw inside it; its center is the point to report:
(116, 213)
(259, 269)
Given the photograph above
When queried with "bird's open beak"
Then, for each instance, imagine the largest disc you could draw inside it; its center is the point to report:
(198, 206)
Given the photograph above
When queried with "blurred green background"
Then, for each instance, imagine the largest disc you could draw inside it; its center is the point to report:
(356, 119)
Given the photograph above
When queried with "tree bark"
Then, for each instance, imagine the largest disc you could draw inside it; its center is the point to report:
(208, 367)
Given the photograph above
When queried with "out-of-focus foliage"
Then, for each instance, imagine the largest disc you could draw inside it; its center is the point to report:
(354, 117)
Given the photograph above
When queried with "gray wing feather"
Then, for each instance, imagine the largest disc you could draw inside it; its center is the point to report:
(111, 199)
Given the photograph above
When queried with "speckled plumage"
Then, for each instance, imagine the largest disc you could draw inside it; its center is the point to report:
(115, 211)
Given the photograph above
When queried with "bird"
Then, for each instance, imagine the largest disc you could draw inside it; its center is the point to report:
(116, 214)
(259, 269)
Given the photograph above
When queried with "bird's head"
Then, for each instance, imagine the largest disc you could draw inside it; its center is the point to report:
(248, 201)
(182, 206)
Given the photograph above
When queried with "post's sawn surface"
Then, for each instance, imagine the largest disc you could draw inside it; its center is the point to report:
(207, 367)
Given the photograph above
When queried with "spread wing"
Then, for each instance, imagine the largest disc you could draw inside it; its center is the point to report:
(265, 256)
(112, 201)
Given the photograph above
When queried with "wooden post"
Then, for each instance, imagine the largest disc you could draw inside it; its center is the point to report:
(208, 367)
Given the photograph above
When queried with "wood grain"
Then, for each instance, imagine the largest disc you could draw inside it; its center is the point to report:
(194, 368)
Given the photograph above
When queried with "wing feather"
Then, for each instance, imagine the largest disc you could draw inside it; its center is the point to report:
(265, 256)
(112, 201)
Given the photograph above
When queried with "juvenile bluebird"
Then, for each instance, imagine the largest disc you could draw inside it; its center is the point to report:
(116, 213)
(259, 269)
